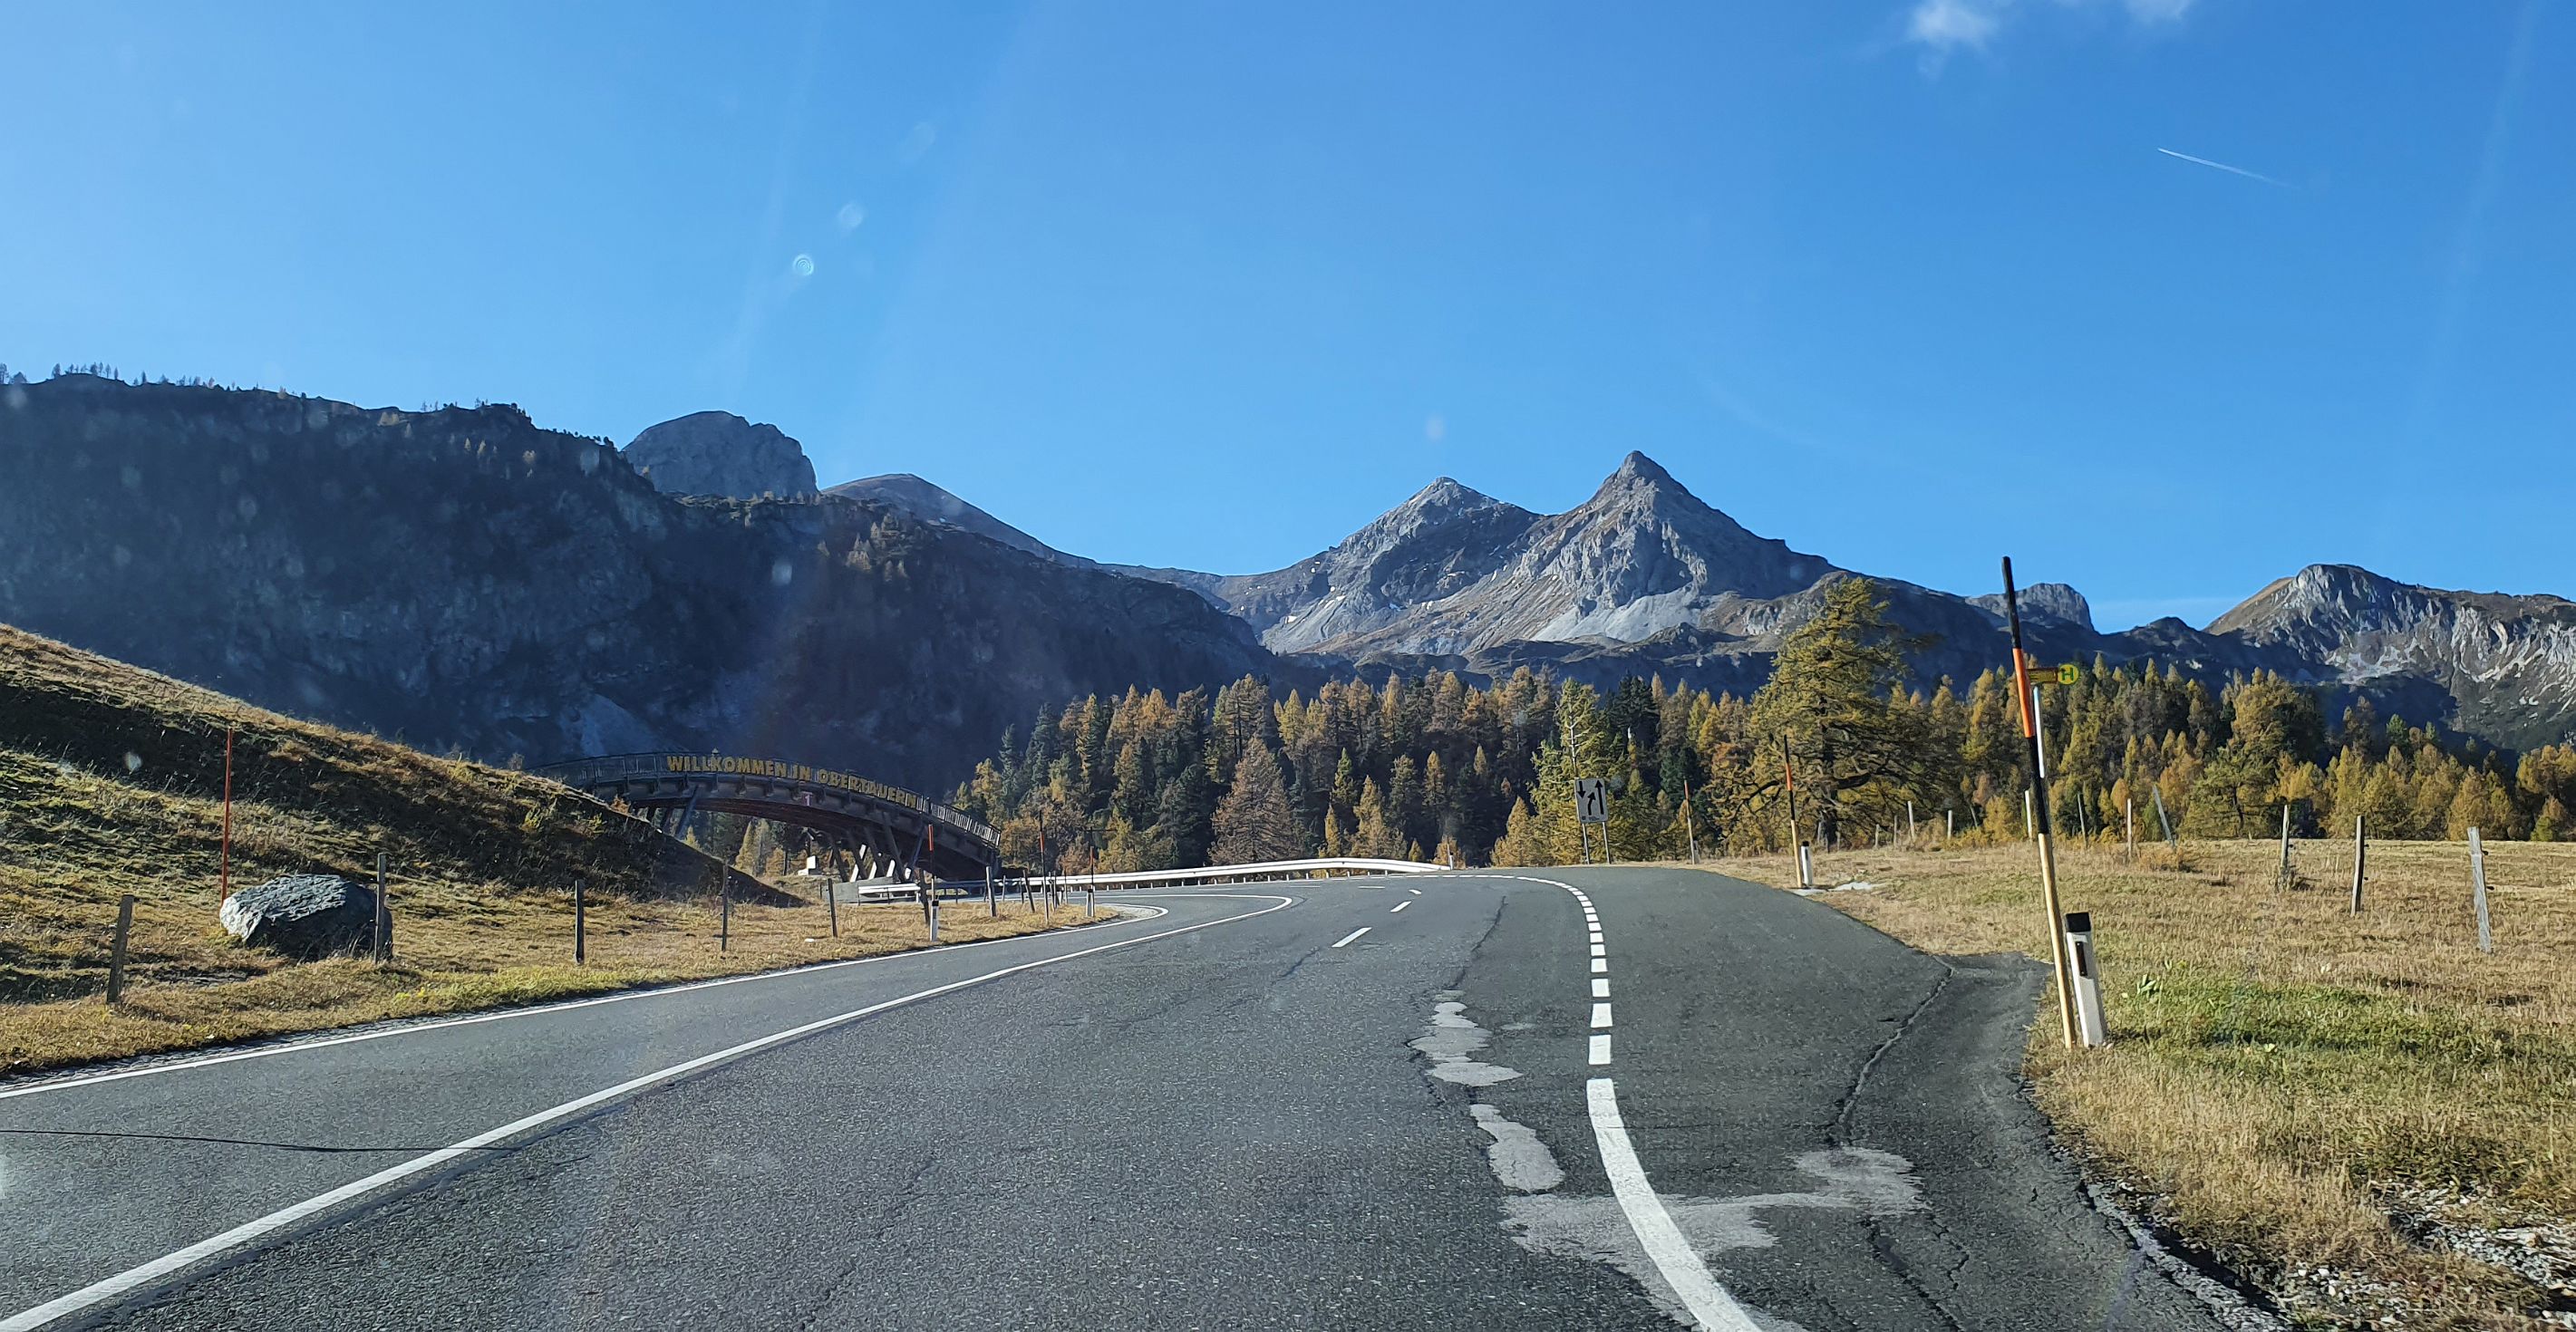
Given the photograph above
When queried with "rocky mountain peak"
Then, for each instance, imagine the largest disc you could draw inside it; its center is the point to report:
(2043, 601)
(719, 453)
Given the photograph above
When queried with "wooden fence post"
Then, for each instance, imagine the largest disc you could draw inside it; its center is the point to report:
(116, 950)
(2360, 853)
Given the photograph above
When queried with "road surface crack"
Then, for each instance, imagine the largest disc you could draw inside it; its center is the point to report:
(1882, 1243)
(902, 1202)
(1842, 1134)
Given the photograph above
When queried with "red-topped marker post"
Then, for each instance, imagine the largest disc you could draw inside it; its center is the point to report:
(2039, 798)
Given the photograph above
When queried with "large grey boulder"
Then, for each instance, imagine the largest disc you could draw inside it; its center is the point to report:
(305, 916)
(719, 453)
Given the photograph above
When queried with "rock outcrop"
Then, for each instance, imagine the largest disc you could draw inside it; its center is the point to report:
(719, 453)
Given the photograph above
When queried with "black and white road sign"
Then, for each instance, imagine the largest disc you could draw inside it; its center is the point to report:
(1592, 799)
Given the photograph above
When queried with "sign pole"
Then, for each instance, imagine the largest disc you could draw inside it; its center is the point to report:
(2039, 807)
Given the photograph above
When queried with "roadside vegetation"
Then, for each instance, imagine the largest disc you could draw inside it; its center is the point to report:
(2364, 1113)
(111, 782)
(1430, 766)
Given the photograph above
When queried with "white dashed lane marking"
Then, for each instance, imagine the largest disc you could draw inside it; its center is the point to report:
(1352, 935)
(1399, 907)
(1601, 1049)
(1600, 987)
(1601, 1015)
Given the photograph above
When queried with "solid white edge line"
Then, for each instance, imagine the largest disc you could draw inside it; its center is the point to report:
(539, 1010)
(1399, 907)
(1601, 1049)
(1709, 1304)
(99, 1292)
(1337, 943)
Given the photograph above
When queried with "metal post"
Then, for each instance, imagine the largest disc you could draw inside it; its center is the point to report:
(724, 912)
(224, 872)
(1690, 829)
(2039, 799)
(2478, 870)
(1909, 823)
(384, 916)
(2162, 817)
(116, 950)
(2360, 852)
(832, 903)
(992, 905)
(580, 926)
(2285, 844)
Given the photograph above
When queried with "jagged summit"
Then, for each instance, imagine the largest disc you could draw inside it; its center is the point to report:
(719, 453)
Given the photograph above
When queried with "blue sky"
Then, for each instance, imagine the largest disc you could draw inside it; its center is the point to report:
(1906, 283)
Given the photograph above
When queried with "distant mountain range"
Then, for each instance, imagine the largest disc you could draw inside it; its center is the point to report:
(463, 577)
(1645, 578)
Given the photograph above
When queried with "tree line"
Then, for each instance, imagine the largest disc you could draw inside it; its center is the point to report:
(1840, 747)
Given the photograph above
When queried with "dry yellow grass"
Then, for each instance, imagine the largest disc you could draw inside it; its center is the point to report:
(110, 783)
(2282, 1070)
(455, 952)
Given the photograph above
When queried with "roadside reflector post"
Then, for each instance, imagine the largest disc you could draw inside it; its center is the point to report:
(384, 916)
(1090, 903)
(2478, 872)
(2129, 820)
(724, 912)
(992, 905)
(1806, 866)
(580, 926)
(2038, 796)
(116, 949)
(2088, 980)
(2360, 852)
(933, 899)
(2285, 846)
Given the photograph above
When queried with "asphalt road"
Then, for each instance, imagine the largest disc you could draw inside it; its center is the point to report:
(1737, 1110)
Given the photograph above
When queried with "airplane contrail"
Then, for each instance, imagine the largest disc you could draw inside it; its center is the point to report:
(2255, 175)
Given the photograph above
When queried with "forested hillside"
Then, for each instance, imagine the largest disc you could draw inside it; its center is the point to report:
(1428, 766)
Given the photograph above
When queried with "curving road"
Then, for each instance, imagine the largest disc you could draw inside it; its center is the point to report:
(1603, 1098)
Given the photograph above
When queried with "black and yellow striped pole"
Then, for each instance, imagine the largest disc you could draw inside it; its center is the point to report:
(2039, 797)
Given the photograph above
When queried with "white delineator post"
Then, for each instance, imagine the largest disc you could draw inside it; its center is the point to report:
(1806, 867)
(2478, 871)
(2088, 980)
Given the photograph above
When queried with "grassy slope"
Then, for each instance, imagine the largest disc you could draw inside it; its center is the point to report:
(111, 782)
(2284, 1074)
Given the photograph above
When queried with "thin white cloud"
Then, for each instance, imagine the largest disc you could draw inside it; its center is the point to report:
(1944, 26)
(2222, 166)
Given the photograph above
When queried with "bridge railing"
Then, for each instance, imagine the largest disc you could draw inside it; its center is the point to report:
(1268, 869)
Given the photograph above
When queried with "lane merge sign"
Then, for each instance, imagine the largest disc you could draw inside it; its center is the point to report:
(1592, 799)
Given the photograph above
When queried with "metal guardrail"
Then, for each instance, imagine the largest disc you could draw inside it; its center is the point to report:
(1268, 869)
